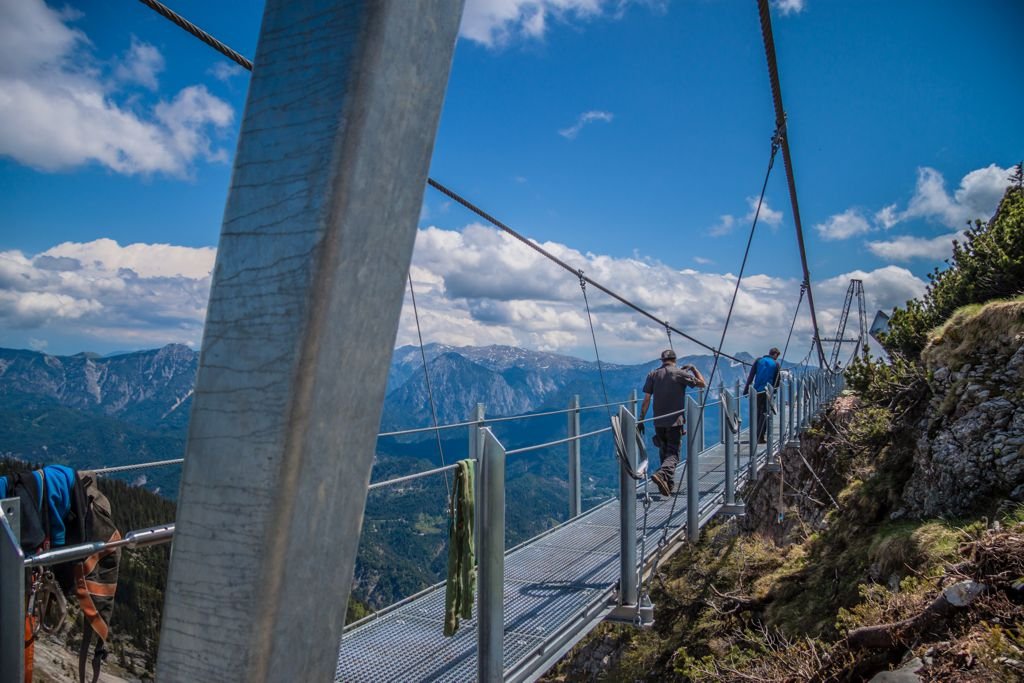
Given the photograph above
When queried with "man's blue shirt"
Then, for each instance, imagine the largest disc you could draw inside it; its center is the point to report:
(765, 370)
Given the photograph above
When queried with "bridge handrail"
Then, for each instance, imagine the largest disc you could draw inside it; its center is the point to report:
(410, 477)
(401, 432)
(537, 447)
(136, 466)
(139, 538)
(493, 420)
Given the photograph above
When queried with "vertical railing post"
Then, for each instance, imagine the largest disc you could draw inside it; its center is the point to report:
(628, 591)
(725, 405)
(698, 428)
(722, 431)
(575, 487)
(490, 634)
(783, 430)
(737, 437)
(791, 391)
(475, 451)
(813, 396)
(753, 418)
(801, 399)
(12, 592)
(816, 393)
(692, 472)
(769, 438)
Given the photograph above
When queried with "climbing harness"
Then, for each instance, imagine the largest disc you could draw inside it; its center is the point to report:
(46, 603)
(430, 391)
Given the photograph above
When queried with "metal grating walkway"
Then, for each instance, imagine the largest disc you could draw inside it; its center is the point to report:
(558, 586)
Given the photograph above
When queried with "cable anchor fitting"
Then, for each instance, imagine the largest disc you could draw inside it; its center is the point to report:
(780, 127)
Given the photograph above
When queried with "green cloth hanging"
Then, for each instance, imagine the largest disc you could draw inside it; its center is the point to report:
(461, 585)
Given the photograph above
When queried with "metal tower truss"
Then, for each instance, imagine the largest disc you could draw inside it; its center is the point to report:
(854, 291)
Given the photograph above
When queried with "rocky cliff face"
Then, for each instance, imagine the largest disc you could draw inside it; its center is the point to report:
(971, 443)
(145, 388)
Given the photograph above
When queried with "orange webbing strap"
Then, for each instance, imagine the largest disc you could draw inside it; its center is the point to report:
(84, 589)
(30, 647)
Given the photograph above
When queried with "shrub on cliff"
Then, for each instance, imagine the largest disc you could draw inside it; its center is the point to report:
(988, 264)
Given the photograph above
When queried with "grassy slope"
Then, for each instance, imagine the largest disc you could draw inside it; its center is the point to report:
(738, 607)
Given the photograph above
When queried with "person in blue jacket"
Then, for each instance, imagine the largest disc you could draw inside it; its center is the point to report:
(763, 372)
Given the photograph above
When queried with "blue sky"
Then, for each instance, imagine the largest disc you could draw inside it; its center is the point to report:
(628, 135)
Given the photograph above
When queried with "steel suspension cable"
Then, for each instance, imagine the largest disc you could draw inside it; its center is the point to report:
(180, 21)
(451, 194)
(780, 122)
(430, 390)
(776, 139)
(792, 324)
(593, 336)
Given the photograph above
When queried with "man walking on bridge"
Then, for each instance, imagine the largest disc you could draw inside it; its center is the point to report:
(668, 386)
(763, 372)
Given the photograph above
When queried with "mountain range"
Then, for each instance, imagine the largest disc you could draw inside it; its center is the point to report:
(90, 411)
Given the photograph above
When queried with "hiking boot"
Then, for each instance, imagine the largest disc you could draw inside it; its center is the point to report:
(662, 482)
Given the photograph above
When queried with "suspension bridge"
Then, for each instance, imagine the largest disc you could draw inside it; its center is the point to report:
(313, 260)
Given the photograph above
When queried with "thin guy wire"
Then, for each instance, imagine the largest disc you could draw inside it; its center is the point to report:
(725, 328)
(792, 325)
(593, 336)
(166, 12)
(430, 390)
(451, 194)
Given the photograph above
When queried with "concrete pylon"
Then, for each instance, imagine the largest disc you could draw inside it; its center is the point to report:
(318, 233)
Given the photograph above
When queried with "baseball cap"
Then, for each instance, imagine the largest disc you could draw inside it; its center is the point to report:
(668, 354)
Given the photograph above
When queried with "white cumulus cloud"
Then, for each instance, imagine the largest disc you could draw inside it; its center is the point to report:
(479, 286)
(585, 118)
(474, 286)
(225, 71)
(843, 225)
(58, 110)
(726, 223)
(768, 215)
(908, 247)
(976, 197)
(786, 7)
(495, 23)
(141, 65)
(137, 293)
